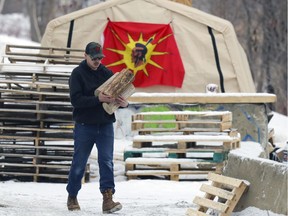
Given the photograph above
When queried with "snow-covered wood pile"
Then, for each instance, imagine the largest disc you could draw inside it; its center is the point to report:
(191, 143)
(35, 115)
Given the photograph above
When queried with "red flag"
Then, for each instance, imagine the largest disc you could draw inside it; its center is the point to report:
(149, 50)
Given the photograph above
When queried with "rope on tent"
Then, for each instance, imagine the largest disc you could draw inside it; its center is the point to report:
(217, 59)
(70, 35)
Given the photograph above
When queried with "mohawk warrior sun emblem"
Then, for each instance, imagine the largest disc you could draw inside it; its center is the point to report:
(139, 53)
(148, 50)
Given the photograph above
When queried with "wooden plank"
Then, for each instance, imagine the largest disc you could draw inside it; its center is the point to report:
(194, 121)
(174, 168)
(217, 191)
(190, 113)
(204, 98)
(58, 147)
(65, 62)
(184, 144)
(225, 125)
(38, 48)
(193, 212)
(43, 138)
(26, 59)
(182, 121)
(27, 101)
(16, 173)
(25, 92)
(33, 174)
(39, 70)
(43, 60)
(216, 155)
(53, 166)
(224, 180)
(18, 120)
(187, 130)
(209, 149)
(185, 138)
(36, 111)
(147, 172)
(48, 130)
(41, 52)
(129, 167)
(227, 117)
(202, 149)
(207, 203)
(237, 195)
(35, 83)
(54, 157)
(44, 56)
(165, 172)
(200, 125)
(156, 161)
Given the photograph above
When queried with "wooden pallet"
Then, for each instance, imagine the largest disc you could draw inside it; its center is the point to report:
(41, 172)
(201, 139)
(37, 162)
(38, 54)
(173, 168)
(185, 128)
(215, 154)
(181, 121)
(35, 109)
(220, 197)
(187, 141)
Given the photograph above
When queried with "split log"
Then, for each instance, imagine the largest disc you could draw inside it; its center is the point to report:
(120, 84)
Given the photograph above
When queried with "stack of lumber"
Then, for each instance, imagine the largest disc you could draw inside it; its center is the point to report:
(49, 55)
(186, 143)
(35, 114)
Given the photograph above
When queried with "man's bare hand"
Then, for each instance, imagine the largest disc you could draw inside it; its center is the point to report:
(121, 102)
(105, 98)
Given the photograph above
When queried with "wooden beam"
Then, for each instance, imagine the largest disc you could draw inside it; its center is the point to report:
(157, 98)
(210, 204)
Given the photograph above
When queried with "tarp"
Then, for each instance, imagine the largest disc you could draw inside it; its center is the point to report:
(208, 45)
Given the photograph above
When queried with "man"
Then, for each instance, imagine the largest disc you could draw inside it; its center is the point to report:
(92, 126)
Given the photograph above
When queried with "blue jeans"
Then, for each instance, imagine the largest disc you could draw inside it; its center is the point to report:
(85, 136)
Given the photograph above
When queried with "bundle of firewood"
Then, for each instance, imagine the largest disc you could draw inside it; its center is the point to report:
(120, 84)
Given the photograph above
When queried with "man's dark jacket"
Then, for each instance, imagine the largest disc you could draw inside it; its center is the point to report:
(82, 83)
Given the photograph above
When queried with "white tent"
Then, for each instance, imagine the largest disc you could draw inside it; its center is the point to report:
(208, 45)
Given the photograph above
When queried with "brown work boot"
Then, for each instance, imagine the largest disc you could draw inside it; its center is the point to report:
(72, 204)
(109, 206)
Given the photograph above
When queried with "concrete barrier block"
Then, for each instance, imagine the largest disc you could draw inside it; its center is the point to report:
(268, 182)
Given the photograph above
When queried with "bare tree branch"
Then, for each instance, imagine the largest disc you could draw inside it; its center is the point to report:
(31, 9)
(2, 2)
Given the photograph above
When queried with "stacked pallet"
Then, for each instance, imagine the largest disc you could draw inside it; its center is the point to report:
(186, 143)
(35, 114)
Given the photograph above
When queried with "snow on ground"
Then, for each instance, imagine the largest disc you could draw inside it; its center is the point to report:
(139, 197)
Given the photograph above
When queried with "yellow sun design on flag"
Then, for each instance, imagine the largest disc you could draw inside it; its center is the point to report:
(137, 54)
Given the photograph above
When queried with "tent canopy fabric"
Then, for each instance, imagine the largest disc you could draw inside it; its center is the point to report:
(208, 45)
